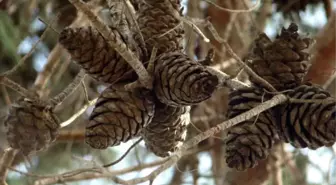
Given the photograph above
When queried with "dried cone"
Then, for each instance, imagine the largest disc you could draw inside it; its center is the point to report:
(311, 125)
(92, 52)
(250, 140)
(283, 63)
(168, 129)
(287, 6)
(30, 126)
(65, 11)
(160, 24)
(180, 81)
(119, 115)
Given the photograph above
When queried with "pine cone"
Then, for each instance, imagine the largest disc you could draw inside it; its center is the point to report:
(92, 52)
(168, 129)
(283, 63)
(250, 140)
(181, 82)
(65, 11)
(30, 126)
(160, 25)
(311, 125)
(287, 6)
(119, 116)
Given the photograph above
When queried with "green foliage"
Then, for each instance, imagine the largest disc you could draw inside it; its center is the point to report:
(9, 37)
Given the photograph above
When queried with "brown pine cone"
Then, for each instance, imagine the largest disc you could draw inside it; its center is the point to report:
(31, 126)
(92, 52)
(180, 81)
(65, 11)
(168, 129)
(119, 116)
(250, 140)
(160, 25)
(287, 6)
(311, 125)
(283, 63)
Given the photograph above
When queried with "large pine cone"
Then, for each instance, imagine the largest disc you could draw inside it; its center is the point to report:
(283, 63)
(250, 140)
(311, 125)
(119, 116)
(160, 25)
(30, 126)
(168, 129)
(92, 52)
(180, 81)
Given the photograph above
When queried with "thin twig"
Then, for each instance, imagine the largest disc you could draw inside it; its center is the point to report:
(117, 44)
(33, 48)
(78, 113)
(234, 11)
(5, 95)
(6, 160)
(58, 99)
(124, 155)
(226, 80)
(44, 76)
(16, 87)
(195, 28)
(235, 56)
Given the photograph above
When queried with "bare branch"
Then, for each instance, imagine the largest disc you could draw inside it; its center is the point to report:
(124, 155)
(6, 160)
(23, 59)
(235, 56)
(78, 113)
(68, 90)
(16, 87)
(276, 100)
(234, 11)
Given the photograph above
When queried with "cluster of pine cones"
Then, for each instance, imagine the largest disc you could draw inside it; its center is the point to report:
(283, 63)
(161, 115)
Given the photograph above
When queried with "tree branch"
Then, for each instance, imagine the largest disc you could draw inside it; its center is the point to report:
(6, 160)
(276, 100)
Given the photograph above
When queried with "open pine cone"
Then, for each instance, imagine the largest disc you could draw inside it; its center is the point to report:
(180, 81)
(282, 63)
(168, 129)
(119, 115)
(160, 26)
(311, 125)
(30, 126)
(92, 52)
(250, 140)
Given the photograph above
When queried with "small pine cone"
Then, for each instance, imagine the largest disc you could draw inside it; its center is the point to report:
(31, 126)
(287, 6)
(311, 125)
(65, 11)
(283, 63)
(160, 25)
(168, 129)
(180, 81)
(92, 52)
(119, 116)
(250, 140)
